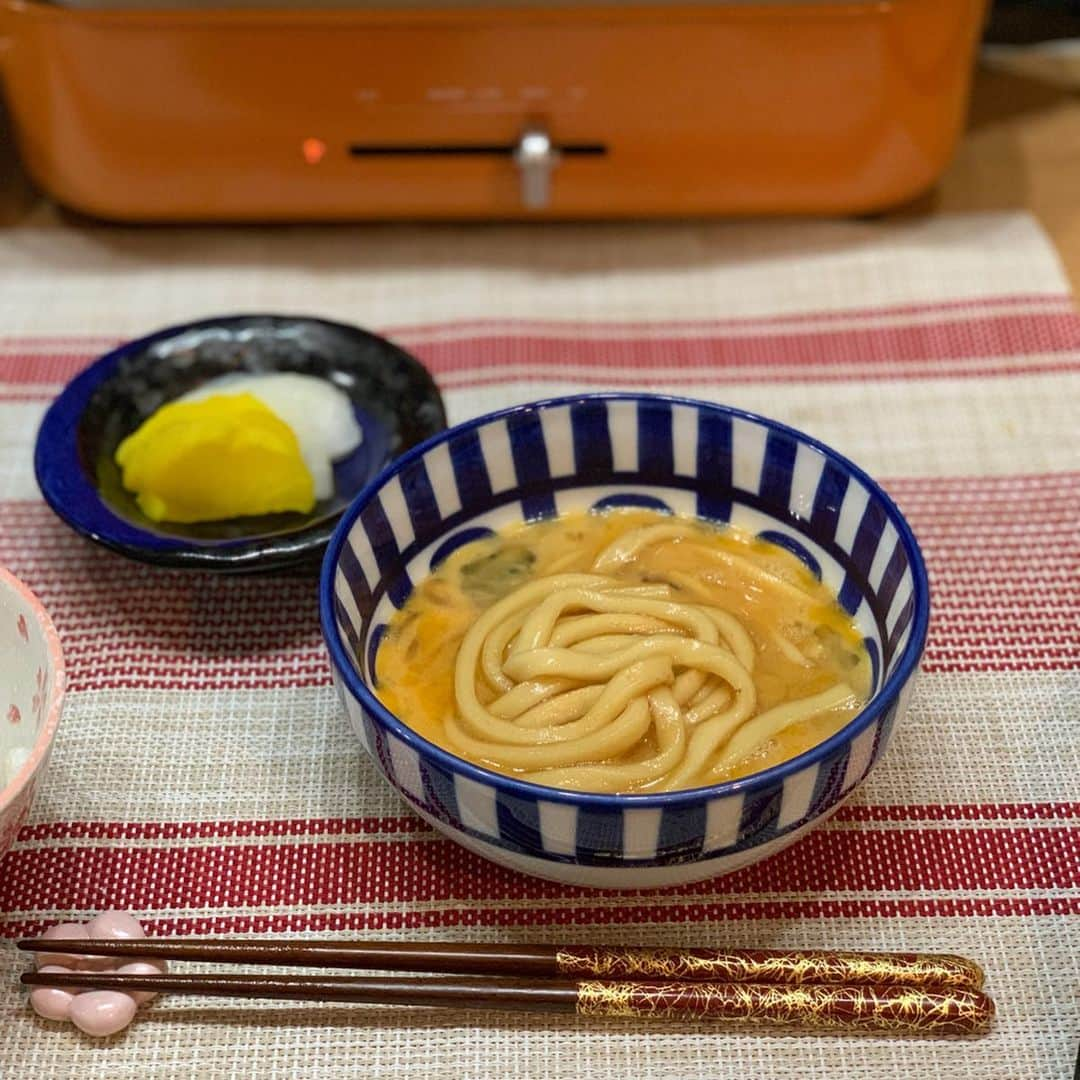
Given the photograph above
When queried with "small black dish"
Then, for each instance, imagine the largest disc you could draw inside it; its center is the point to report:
(394, 399)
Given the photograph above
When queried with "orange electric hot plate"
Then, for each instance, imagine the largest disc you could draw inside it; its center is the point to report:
(504, 110)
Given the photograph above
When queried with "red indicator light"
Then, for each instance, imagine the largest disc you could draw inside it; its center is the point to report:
(314, 150)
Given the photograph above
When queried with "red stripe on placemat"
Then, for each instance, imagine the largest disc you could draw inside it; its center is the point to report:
(627, 914)
(1059, 811)
(1061, 304)
(406, 824)
(880, 351)
(376, 871)
(201, 830)
(474, 354)
(1061, 301)
(647, 379)
(675, 382)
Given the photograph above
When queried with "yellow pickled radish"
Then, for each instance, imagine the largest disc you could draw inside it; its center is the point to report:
(221, 457)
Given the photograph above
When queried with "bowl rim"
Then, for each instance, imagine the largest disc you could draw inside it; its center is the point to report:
(45, 736)
(56, 456)
(766, 778)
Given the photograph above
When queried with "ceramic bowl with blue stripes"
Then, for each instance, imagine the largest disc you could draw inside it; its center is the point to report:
(688, 457)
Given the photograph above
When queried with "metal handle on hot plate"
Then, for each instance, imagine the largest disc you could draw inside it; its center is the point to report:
(536, 158)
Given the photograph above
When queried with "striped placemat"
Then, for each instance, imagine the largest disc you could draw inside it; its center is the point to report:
(204, 778)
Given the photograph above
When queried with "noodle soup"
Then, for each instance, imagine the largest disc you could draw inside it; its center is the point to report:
(623, 652)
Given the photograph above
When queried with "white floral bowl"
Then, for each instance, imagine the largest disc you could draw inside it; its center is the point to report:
(31, 697)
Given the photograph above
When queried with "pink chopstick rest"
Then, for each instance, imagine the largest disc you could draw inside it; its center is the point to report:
(52, 1002)
(71, 961)
(114, 924)
(96, 1012)
(142, 967)
(102, 1012)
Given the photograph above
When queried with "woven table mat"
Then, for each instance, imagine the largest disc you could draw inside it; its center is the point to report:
(204, 778)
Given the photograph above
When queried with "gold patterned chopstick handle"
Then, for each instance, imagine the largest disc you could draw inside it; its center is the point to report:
(899, 1010)
(772, 966)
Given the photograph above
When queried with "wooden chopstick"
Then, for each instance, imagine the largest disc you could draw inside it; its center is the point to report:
(771, 966)
(896, 1009)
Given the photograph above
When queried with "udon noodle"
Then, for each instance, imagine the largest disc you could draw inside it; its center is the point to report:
(623, 652)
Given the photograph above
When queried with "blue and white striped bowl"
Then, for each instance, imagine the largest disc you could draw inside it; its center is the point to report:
(623, 449)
